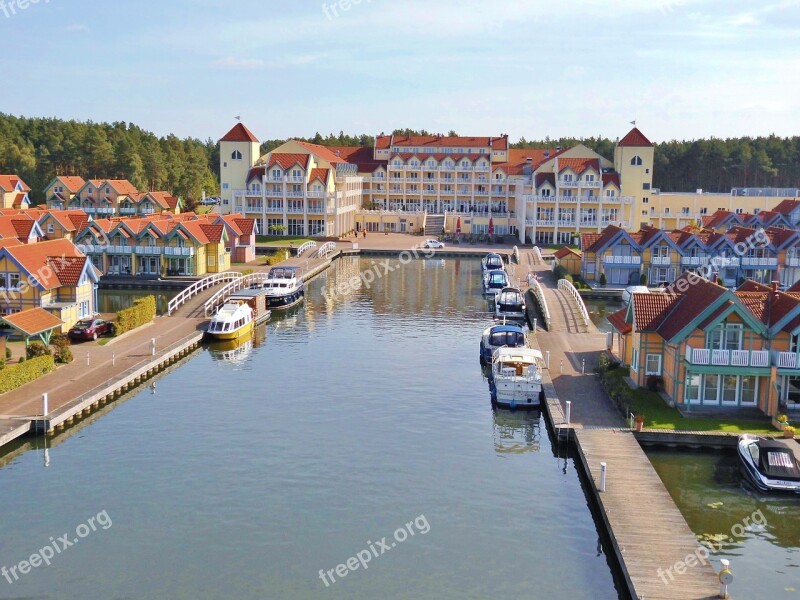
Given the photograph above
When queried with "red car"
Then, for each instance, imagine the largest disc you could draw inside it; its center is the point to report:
(90, 329)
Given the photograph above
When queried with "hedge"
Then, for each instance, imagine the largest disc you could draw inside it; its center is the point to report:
(142, 312)
(15, 376)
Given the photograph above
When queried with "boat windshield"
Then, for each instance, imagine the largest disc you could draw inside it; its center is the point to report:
(512, 298)
(494, 263)
(512, 339)
(497, 280)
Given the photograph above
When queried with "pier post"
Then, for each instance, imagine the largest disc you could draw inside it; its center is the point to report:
(113, 359)
(45, 408)
(534, 324)
(153, 346)
(602, 477)
(547, 359)
(568, 412)
(88, 359)
(725, 578)
(583, 367)
(562, 366)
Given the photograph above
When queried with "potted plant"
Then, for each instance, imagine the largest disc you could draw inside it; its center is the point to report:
(639, 422)
(780, 421)
(603, 280)
(788, 431)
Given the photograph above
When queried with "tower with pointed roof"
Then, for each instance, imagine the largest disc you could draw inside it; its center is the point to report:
(239, 150)
(633, 160)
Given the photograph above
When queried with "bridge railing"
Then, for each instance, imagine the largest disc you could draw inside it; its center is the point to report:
(306, 246)
(515, 254)
(200, 286)
(225, 292)
(537, 255)
(538, 293)
(326, 249)
(565, 286)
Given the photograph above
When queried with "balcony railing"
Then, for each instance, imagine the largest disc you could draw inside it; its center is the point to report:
(785, 360)
(793, 261)
(622, 260)
(127, 211)
(660, 261)
(179, 250)
(748, 261)
(568, 183)
(694, 261)
(590, 184)
(727, 358)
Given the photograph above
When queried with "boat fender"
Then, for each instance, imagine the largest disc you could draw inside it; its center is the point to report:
(513, 405)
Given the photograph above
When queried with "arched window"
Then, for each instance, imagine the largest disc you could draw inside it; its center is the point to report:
(636, 161)
(236, 155)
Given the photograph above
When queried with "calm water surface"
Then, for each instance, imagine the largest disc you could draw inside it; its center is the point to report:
(112, 300)
(245, 472)
(708, 489)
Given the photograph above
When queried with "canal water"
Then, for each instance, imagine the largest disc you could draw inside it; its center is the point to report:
(758, 533)
(115, 300)
(248, 470)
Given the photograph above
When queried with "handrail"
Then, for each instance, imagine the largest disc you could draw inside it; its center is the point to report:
(234, 286)
(326, 249)
(537, 255)
(515, 253)
(199, 286)
(566, 286)
(305, 247)
(538, 292)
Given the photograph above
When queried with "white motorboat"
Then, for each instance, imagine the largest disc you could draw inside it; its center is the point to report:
(284, 287)
(516, 378)
(494, 282)
(511, 335)
(510, 304)
(232, 320)
(770, 464)
(492, 262)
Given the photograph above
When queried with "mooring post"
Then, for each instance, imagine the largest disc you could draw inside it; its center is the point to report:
(725, 578)
(602, 477)
(153, 346)
(45, 408)
(113, 359)
(534, 324)
(87, 359)
(547, 358)
(562, 366)
(569, 412)
(583, 367)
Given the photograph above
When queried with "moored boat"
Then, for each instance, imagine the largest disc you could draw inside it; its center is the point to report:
(492, 262)
(770, 465)
(255, 299)
(510, 304)
(515, 380)
(508, 335)
(284, 287)
(232, 320)
(494, 282)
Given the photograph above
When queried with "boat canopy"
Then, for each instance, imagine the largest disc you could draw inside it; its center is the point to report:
(528, 355)
(775, 460)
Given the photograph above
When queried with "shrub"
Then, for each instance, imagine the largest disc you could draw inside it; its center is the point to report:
(568, 277)
(142, 312)
(782, 419)
(22, 359)
(560, 272)
(25, 372)
(63, 355)
(37, 349)
(643, 279)
(605, 363)
(8, 353)
(60, 341)
(603, 280)
(2, 364)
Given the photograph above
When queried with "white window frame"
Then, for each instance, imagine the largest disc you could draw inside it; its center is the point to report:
(647, 369)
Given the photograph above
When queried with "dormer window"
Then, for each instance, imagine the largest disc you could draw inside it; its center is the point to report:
(236, 155)
(636, 161)
(108, 190)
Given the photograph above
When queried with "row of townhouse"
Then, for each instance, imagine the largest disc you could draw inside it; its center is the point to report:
(785, 214)
(547, 196)
(715, 347)
(104, 198)
(168, 245)
(657, 257)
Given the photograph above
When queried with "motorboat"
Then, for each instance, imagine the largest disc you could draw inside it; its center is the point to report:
(494, 282)
(509, 335)
(515, 380)
(771, 465)
(510, 303)
(255, 299)
(232, 320)
(284, 287)
(492, 262)
(628, 292)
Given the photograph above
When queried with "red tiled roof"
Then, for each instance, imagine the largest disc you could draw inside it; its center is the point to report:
(239, 133)
(9, 182)
(18, 200)
(71, 182)
(321, 174)
(650, 310)
(753, 286)
(33, 321)
(363, 156)
(322, 152)
(611, 178)
(605, 236)
(635, 138)
(794, 287)
(287, 161)
(578, 165)
(617, 321)
(699, 294)
(589, 239)
(35, 259)
(213, 232)
(542, 178)
(68, 269)
(717, 219)
(497, 143)
(786, 207)
(565, 251)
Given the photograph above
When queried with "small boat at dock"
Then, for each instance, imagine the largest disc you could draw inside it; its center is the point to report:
(255, 299)
(515, 380)
(284, 287)
(771, 465)
(232, 320)
(494, 282)
(508, 335)
(510, 304)
(492, 262)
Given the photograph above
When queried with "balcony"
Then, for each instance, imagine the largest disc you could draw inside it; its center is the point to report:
(179, 250)
(294, 194)
(727, 358)
(320, 193)
(694, 261)
(566, 222)
(593, 199)
(567, 183)
(623, 260)
(785, 360)
(660, 261)
(148, 250)
(590, 184)
(793, 261)
(246, 193)
(749, 261)
(127, 211)
(725, 261)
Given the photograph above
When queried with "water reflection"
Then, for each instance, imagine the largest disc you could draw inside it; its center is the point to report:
(517, 432)
(113, 300)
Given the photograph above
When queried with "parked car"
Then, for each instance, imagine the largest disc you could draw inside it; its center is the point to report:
(433, 244)
(210, 201)
(91, 329)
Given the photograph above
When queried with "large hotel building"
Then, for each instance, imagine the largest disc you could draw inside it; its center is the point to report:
(439, 184)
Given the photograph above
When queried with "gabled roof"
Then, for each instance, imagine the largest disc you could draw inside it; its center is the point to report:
(650, 310)
(72, 182)
(542, 178)
(578, 165)
(635, 138)
(618, 321)
(8, 183)
(786, 207)
(239, 133)
(698, 296)
(496, 143)
(322, 152)
(518, 159)
(611, 179)
(36, 260)
(719, 218)
(33, 321)
(566, 251)
(287, 161)
(753, 286)
(608, 235)
(321, 174)
(362, 156)
(121, 186)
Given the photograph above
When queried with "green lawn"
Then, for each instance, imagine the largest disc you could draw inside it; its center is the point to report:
(658, 415)
(280, 240)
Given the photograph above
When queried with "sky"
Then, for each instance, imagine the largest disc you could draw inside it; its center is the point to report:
(683, 69)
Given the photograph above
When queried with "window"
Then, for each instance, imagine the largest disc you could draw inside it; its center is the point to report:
(703, 211)
(51, 228)
(236, 155)
(645, 186)
(224, 186)
(636, 161)
(692, 395)
(710, 389)
(653, 364)
(666, 210)
(685, 210)
(645, 200)
(13, 281)
(635, 360)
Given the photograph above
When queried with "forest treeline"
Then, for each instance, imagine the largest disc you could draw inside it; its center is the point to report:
(37, 149)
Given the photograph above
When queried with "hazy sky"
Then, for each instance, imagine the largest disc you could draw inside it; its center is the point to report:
(682, 69)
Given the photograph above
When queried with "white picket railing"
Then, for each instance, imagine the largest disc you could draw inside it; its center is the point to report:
(234, 286)
(537, 255)
(565, 286)
(200, 286)
(305, 247)
(538, 292)
(515, 254)
(326, 249)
